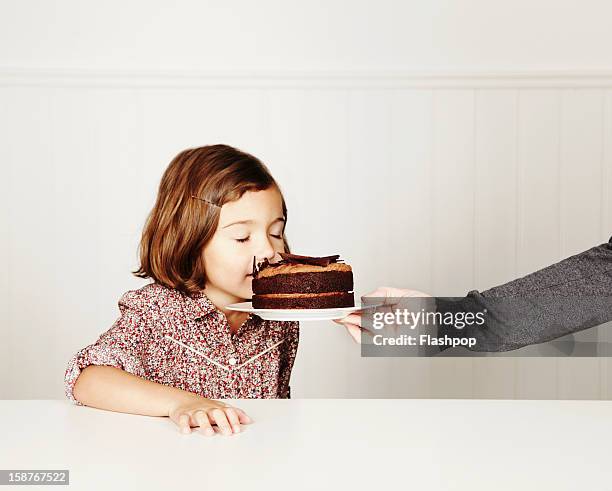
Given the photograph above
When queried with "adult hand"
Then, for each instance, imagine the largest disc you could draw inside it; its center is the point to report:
(353, 322)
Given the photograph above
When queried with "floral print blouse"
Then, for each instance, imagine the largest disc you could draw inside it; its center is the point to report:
(184, 341)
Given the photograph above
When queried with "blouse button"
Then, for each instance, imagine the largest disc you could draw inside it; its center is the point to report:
(232, 361)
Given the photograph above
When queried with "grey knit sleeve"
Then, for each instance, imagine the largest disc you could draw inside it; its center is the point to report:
(569, 296)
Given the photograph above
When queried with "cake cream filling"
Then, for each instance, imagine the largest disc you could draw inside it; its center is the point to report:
(305, 295)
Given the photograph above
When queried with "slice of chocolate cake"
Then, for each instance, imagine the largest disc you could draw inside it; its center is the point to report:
(302, 282)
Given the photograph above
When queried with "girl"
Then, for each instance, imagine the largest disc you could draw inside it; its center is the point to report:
(176, 347)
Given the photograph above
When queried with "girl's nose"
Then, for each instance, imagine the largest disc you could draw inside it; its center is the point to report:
(266, 251)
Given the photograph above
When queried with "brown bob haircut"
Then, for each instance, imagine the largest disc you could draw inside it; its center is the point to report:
(185, 216)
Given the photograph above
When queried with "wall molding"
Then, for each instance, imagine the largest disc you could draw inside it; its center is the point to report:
(316, 79)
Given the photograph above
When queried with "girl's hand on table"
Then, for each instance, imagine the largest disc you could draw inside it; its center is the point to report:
(352, 322)
(197, 411)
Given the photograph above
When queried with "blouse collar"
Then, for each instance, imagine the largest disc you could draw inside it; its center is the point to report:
(197, 305)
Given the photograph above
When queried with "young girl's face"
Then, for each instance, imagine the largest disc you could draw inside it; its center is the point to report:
(249, 227)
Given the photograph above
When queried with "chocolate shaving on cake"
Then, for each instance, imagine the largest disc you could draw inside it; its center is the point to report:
(294, 259)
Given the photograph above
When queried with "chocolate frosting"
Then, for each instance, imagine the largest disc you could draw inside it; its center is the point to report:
(294, 259)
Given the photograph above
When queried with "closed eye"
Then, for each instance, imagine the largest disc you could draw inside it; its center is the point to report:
(247, 238)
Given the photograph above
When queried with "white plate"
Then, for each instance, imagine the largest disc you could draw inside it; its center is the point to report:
(300, 314)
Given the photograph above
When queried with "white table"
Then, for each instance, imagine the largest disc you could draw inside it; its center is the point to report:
(322, 444)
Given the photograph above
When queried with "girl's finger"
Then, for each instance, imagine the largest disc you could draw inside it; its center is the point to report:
(202, 421)
(232, 417)
(243, 417)
(183, 423)
(220, 419)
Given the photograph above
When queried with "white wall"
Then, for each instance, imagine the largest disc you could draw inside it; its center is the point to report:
(443, 181)
(280, 35)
